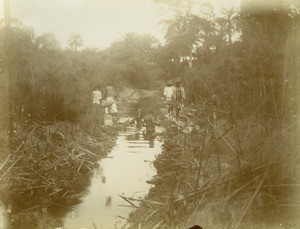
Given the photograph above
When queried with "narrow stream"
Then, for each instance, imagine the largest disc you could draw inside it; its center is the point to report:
(124, 172)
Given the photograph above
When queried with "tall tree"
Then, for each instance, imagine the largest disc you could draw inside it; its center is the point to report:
(228, 24)
(75, 41)
(132, 60)
(47, 41)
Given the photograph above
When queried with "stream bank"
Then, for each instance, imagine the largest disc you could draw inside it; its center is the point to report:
(211, 173)
(48, 166)
(117, 184)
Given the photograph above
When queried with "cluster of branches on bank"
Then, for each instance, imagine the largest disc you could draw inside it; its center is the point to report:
(45, 166)
(218, 173)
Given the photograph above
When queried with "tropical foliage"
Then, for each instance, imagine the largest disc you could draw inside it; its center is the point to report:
(44, 82)
(239, 69)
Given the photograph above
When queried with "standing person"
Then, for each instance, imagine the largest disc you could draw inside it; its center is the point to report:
(96, 96)
(96, 100)
(149, 121)
(179, 96)
(149, 134)
(168, 97)
(111, 98)
(138, 116)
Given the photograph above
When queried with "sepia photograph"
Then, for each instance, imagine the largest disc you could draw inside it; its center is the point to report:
(149, 114)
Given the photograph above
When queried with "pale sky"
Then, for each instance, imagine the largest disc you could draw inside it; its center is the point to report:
(100, 22)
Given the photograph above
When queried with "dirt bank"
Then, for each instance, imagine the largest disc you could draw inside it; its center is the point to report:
(217, 173)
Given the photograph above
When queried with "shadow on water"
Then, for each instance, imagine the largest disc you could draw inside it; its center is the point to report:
(123, 173)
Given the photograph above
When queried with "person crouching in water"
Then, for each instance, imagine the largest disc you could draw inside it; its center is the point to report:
(111, 98)
(168, 97)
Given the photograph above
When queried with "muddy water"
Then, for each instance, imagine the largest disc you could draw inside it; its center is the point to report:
(124, 172)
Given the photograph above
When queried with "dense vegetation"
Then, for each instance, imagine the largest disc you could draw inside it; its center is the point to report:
(232, 160)
(49, 83)
(238, 58)
(239, 70)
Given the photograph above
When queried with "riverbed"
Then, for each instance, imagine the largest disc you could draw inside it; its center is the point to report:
(123, 172)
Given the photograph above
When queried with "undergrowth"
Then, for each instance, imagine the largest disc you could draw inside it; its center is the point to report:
(45, 165)
(217, 173)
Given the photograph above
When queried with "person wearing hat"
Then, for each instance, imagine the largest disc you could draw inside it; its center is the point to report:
(168, 97)
(179, 96)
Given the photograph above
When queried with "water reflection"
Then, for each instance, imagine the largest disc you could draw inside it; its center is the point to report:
(142, 134)
(108, 201)
(123, 173)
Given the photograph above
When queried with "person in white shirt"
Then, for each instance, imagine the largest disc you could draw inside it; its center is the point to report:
(168, 97)
(96, 96)
(97, 100)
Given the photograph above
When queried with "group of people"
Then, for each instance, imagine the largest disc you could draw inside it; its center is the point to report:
(107, 99)
(174, 95)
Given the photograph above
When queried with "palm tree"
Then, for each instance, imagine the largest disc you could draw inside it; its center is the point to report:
(228, 23)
